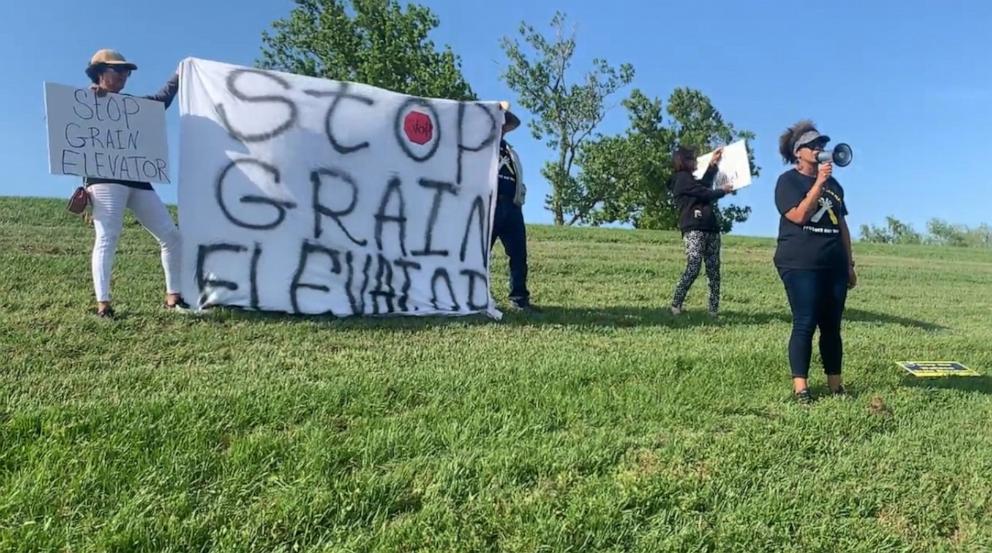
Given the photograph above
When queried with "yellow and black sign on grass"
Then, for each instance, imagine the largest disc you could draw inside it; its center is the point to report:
(927, 369)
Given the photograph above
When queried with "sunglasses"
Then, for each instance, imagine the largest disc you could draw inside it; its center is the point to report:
(119, 70)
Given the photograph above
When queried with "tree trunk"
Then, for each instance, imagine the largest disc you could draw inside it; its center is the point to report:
(560, 179)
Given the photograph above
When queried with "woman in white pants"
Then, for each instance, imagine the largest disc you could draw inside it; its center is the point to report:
(109, 72)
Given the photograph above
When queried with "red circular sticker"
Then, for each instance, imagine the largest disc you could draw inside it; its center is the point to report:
(418, 127)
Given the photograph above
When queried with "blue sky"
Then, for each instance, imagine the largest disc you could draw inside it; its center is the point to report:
(908, 84)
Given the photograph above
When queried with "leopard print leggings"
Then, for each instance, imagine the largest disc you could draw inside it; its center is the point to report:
(700, 247)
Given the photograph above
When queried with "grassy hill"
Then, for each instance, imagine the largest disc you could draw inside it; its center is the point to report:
(602, 424)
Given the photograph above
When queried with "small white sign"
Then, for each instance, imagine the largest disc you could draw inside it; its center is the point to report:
(114, 136)
(734, 167)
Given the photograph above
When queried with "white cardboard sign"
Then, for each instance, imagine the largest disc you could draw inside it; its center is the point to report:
(114, 136)
(734, 166)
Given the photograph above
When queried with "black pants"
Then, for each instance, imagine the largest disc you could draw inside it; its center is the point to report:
(508, 227)
(817, 300)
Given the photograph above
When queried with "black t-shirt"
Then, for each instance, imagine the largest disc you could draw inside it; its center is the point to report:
(507, 176)
(816, 244)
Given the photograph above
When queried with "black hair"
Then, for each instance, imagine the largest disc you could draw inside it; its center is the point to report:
(683, 158)
(787, 142)
(94, 71)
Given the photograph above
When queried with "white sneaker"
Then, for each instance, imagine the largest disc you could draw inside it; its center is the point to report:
(676, 311)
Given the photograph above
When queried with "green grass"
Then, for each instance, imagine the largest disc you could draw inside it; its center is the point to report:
(603, 424)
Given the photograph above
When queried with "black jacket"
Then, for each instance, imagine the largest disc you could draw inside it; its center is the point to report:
(695, 200)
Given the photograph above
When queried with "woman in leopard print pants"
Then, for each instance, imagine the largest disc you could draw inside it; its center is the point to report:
(696, 201)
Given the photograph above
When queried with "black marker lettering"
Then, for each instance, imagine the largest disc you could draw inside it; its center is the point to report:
(357, 302)
(82, 141)
(320, 210)
(113, 164)
(399, 218)
(66, 163)
(124, 171)
(305, 252)
(81, 103)
(98, 161)
(478, 210)
(472, 275)
(131, 107)
(439, 189)
(439, 274)
(383, 275)
(281, 206)
(462, 148)
(96, 107)
(405, 266)
(112, 102)
(339, 95)
(253, 275)
(232, 78)
(95, 137)
(202, 282)
(149, 169)
(163, 176)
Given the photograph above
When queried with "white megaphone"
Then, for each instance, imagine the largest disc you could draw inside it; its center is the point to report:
(841, 155)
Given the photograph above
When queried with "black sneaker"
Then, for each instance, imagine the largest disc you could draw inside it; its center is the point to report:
(105, 313)
(804, 397)
(180, 306)
(524, 306)
(839, 391)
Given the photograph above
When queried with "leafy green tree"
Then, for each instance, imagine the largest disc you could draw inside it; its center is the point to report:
(939, 233)
(943, 233)
(565, 112)
(895, 232)
(376, 42)
(625, 178)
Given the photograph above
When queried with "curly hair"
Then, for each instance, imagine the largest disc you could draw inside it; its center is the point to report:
(787, 142)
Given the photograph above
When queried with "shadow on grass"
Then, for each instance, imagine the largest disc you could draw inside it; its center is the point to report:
(226, 314)
(972, 384)
(606, 317)
(861, 316)
(632, 316)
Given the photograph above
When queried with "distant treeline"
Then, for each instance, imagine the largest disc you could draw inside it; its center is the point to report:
(940, 233)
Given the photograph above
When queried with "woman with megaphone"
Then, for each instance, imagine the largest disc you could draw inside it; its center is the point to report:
(813, 256)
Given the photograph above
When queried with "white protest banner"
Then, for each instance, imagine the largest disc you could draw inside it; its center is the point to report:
(113, 136)
(312, 196)
(734, 166)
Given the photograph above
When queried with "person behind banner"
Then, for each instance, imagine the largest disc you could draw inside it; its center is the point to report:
(813, 256)
(109, 71)
(508, 221)
(696, 203)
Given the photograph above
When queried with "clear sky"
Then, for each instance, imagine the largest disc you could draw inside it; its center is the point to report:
(907, 83)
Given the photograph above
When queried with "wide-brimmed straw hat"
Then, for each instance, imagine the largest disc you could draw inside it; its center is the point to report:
(511, 121)
(107, 58)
